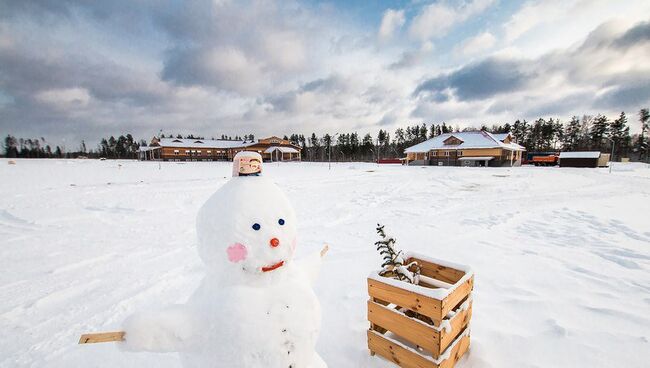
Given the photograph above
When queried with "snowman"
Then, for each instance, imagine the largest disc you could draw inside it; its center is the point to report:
(256, 306)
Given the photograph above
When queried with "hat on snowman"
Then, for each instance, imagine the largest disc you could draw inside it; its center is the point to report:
(247, 163)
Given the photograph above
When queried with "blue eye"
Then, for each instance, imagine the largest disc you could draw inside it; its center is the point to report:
(256, 226)
(281, 221)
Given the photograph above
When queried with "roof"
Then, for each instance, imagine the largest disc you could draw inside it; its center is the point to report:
(475, 139)
(207, 143)
(585, 154)
(281, 149)
(145, 148)
(501, 136)
(479, 158)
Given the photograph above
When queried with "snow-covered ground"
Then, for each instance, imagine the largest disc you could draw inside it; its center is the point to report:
(562, 256)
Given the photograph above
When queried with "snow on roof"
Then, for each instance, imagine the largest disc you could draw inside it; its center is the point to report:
(207, 143)
(586, 154)
(281, 149)
(145, 148)
(500, 136)
(476, 139)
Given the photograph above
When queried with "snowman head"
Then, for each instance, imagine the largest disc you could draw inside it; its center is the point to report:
(248, 228)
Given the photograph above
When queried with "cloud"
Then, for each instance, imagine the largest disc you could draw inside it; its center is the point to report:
(480, 80)
(477, 44)
(391, 21)
(638, 34)
(633, 95)
(436, 19)
(64, 98)
(533, 14)
(412, 58)
(216, 45)
(598, 75)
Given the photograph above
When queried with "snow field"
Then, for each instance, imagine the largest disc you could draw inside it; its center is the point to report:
(561, 256)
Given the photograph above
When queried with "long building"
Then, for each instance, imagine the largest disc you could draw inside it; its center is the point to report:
(477, 148)
(185, 149)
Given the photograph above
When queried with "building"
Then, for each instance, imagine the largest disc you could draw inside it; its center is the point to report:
(477, 148)
(579, 159)
(185, 149)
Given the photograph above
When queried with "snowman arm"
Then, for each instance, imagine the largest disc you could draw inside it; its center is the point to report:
(166, 330)
(312, 263)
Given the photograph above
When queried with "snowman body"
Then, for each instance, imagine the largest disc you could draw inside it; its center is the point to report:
(273, 325)
(256, 306)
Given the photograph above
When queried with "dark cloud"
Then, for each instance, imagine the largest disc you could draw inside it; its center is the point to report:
(477, 81)
(244, 47)
(23, 75)
(556, 106)
(331, 87)
(634, 95)
(640, 33)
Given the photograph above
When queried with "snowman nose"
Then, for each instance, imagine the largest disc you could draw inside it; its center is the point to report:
(274, 242)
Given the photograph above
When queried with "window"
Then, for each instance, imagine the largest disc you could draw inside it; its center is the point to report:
(176, 152)
(446, 153)
(209, 152)
(187, 151)
(460, 153)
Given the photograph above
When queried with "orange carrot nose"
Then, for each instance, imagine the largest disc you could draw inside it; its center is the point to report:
(274, 242)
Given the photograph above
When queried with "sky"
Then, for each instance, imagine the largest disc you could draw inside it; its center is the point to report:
(76, 69)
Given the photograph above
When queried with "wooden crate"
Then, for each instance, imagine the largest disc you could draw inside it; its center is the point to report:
(407, 357)
(432, 317)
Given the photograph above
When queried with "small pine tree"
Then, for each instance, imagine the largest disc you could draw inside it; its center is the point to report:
(393, 265)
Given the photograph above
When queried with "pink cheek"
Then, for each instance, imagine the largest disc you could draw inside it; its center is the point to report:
(236, 252)
(293, 245)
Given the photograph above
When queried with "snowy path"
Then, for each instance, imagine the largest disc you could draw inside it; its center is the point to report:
(562, 256)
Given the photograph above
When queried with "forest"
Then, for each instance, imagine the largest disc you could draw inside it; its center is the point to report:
(598, 133)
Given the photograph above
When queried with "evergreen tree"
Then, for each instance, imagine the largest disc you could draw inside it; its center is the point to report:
(642, 145)
(423, 132)
(572, 133)
(354, 145)
(366, 146)
(598, 131)
(618, 133)
(432, 131)
(11, 147)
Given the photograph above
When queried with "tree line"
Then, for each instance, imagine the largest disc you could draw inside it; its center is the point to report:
(542, 135)
(122, 147)
(598, 133)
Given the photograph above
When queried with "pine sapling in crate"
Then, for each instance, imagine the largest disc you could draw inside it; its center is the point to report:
(419, 308)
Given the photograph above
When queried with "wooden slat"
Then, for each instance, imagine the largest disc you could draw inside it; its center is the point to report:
(458, 324)
(457, 296)
(439, 272)
(405, 327)
(94, 338)
(457, 353)
(396, 354)
(416, 302)
(408, 359)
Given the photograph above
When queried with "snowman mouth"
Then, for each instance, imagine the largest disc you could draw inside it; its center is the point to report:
(273, 267)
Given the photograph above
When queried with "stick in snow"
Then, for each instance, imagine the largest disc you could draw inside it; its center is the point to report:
(93, 338)
(324, 250)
